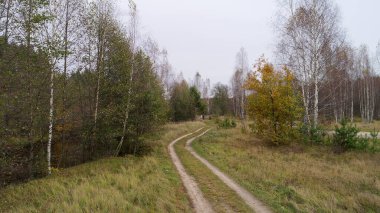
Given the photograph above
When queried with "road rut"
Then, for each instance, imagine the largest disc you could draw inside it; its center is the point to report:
(248, 198)
(199, 202)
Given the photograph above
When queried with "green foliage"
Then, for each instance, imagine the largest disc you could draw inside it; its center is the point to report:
(77, 137)
(185, 102)
(24, 83)
(361, 144)
(274, 105)
(375, 140)
(346, 137)
(226, 123)
(200, 106)
(220, 102)
(313, 135)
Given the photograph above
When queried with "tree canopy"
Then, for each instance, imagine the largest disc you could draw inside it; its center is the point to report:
(274, 105)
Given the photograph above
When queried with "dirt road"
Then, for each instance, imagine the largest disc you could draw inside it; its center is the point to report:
(251, 201)
(200, 204)
(360, 134)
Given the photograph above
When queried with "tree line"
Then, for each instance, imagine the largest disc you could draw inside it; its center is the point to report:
(317, 78)
(335, 79)
(76, 84)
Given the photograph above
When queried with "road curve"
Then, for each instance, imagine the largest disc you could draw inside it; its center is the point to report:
(200, 204)
(248, 198)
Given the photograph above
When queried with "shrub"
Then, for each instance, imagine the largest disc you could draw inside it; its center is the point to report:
(226, 123)
(275, 106)
(314, 135)
(362, 144)
(375, 141)
(346, 136)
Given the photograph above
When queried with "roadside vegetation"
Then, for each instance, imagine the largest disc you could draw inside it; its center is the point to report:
(296, 177)
(123, 184)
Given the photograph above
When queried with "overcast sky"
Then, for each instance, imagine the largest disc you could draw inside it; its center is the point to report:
(205, 35)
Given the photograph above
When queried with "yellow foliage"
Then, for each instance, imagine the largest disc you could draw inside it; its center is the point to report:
(274, 104)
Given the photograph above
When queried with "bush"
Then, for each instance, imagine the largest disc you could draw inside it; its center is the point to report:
(362, 144)
(275, 106)
(375, 141)
(226, 123)
(314, 135)
(346, 137)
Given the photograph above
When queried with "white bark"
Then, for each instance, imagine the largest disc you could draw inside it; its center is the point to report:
(308, 29)
(51, 119)
(133, 34)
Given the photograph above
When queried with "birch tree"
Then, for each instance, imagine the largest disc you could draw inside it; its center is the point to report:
(366, 85)
(132, 38)
(6, 7)
(206, 94)
(338, 87)
(166, 73)
(237, 83)
(307, 29)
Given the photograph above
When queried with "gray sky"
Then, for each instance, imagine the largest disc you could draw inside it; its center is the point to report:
(205, 35)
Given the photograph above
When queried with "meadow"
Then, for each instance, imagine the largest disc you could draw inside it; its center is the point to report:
(124, 184)
(296, 178)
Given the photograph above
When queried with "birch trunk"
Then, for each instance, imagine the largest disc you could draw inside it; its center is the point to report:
(316, 99)
(132, 6)
(352, 102)
(51, 119)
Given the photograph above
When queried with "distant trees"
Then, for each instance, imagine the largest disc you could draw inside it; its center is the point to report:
(274, 105)
(237, 83)
(182, 103)
(199, 104)
(310, 35)
(204, 88)
(221, 101)
(336, 80)
(366, 83)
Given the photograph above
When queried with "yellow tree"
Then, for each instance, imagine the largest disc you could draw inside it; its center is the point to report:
(274, 105)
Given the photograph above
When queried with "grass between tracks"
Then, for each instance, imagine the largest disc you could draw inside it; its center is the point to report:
(220, 196)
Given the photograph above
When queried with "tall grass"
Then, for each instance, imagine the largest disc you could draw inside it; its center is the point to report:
(296, 178)
(130, 184)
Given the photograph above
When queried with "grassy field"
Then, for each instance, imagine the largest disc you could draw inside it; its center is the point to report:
(296, 178)
(222, 198)
(130, 184)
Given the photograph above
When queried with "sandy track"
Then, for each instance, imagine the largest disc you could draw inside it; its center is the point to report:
(200, 204)
(248, 198)
(360, 134)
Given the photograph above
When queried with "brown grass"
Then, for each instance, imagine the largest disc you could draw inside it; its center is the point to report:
(364, 127)
(296, 178)
(130, 184)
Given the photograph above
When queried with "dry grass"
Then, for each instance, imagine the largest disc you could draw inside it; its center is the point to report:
(131, 184)
(296, 178)
(364, 127)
